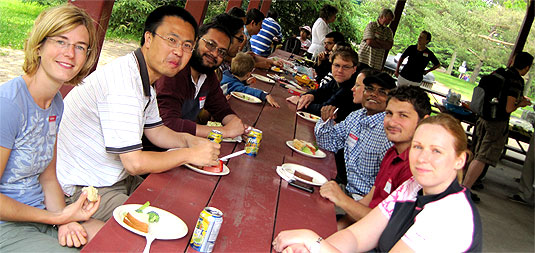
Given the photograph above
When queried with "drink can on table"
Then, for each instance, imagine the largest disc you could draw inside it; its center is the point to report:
(206, 230)
(251, 147)
(256, 133)
(215, 136)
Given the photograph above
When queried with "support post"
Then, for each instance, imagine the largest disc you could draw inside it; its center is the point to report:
(265, 6)
(400, 5)
(197, 8)
(254, 4)
(233, 3)
(524, 32)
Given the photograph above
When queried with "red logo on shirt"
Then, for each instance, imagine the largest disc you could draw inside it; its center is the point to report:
(202, 98)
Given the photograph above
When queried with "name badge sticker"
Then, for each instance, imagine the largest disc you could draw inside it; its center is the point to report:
(202, 100)
(352, 140)
(426, 54)
(388, 186)
(52, 126)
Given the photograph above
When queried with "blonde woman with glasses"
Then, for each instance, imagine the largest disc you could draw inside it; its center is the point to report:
(60, 50)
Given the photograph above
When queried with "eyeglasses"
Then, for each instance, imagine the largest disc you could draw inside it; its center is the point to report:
(210, 45)
(344, 67)
(78, 47)
(240, 39)
(187, 46)
(380, 91)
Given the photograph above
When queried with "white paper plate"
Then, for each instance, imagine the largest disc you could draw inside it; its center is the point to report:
(317, 178)
(308, 116)
(225, 171)
(169, 226)
(263, 78)
(274, 76)
(319, 153)
(246, 97)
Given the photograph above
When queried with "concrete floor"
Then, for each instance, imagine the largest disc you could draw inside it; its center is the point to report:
(507, 226)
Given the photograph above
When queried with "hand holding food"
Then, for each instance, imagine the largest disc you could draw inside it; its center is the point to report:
(92, 193)
(328, 112)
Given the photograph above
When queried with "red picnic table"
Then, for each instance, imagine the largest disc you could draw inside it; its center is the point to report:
(256, 203)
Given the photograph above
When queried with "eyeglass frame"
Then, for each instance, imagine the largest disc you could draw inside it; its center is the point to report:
(344, 67)
(211, 46)
(58, 44)
(380, 91)
(178, 44)
(240, 39)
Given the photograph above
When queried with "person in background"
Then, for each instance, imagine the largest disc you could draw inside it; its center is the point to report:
(321, 28)
(304, 34)
(233, 80)
(252, 26)
(100, 142)
(239, 13)
(405, 107)
(492, 133)
(235, 26)
(181, 97)
(376, 40)
(526, 184)
(262, 42)
(323, 61)
(361, 135)
(419, 56)
(60, 50)
(429, 212)
(343, 68)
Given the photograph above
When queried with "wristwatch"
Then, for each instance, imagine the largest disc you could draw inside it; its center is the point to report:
(315, 247)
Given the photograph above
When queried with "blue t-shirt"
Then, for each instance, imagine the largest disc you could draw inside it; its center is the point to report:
(30, 132)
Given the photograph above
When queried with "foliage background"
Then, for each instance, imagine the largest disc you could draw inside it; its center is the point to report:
(456, 25)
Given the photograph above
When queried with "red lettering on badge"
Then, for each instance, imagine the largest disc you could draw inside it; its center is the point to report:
(51, 118)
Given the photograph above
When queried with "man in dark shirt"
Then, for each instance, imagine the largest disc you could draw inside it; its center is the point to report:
(419, 56)
(492, 134)
(181, 98)
(323, 63)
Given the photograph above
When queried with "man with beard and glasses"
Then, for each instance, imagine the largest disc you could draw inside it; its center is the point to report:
(361, 135)
(181, 98)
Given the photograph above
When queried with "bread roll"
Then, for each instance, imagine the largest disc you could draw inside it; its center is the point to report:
(92, 193)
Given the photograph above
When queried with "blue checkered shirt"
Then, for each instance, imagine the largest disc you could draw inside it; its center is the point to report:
(362, 156)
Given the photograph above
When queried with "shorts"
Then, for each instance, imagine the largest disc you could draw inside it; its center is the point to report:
(30, 237)
(404, 81)
(491, 139)
(354, 196)
(110, 196)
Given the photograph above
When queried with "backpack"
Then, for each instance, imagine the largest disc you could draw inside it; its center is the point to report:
(292, 45)
(488, 100)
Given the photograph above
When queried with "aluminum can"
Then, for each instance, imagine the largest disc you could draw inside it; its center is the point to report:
(251, 147)
(256, 133)
(215, 136)
(207, 229)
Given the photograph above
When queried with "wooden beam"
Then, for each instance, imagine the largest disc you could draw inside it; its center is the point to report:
(233, 3)
(254, 4)
(524, 32)
(197, 8)
(265, 6)
(100, 11)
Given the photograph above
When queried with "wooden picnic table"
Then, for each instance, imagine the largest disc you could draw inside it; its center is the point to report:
(256, 203)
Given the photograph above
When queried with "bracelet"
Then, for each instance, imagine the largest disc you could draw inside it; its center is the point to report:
(315, 248)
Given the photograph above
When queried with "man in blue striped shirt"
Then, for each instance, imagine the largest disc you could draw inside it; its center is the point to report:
(261, 42)
(361, 135)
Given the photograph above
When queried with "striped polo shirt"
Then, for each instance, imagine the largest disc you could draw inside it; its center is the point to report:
(374, 57)
(261, 43)
(103, 117)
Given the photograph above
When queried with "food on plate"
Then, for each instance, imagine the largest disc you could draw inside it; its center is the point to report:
(312, 116)
(303, 176)
(92, 193)
(276, 69)
(216, 169)
(139, 220)
(214, 123)
(304, 146)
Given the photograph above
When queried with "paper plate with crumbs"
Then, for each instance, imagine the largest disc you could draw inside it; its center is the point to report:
(305, 148)
(308, 116)
(263, 78)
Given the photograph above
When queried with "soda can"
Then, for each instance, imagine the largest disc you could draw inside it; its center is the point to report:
(251, 146)
(206, 230)
(215, 136)
(256, 133)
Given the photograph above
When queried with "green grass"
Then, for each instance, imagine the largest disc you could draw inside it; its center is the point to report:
(16, 21)
(465, 89)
